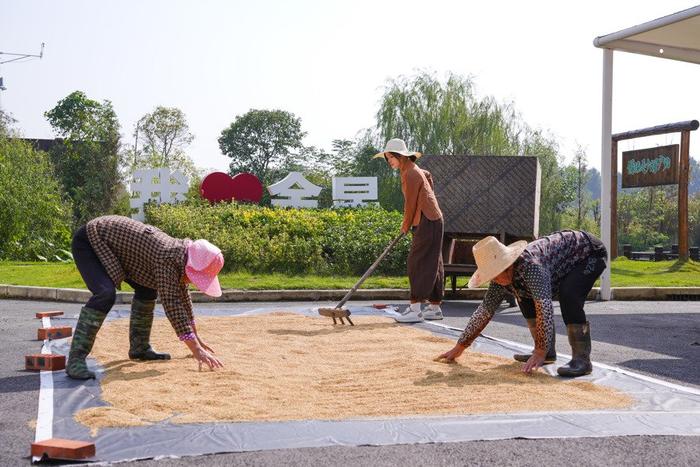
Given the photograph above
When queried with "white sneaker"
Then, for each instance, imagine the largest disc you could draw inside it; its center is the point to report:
(409, 315)
(433, 312)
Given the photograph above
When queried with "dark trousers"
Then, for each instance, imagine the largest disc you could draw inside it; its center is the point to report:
(426, 273)
(573, 291)
(104, 292)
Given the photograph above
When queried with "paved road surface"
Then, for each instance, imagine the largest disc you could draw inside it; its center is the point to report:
(660, 339)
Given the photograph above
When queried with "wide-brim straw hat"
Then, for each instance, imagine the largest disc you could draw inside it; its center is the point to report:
(397, 146)
(492, 258)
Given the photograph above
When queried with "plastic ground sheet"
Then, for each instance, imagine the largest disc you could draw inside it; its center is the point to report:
(292, 379)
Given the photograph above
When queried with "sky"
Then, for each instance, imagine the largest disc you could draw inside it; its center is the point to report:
(328, 63)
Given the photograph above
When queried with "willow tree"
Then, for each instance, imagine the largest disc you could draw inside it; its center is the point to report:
(447, 117)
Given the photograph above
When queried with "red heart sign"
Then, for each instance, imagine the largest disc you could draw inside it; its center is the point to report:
(219, 186)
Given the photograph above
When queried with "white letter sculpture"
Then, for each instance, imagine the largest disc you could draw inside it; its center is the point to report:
(354, 191)
(159, 185)
(293, 196)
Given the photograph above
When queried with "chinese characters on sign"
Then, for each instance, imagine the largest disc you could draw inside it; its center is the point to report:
(162, 186)
(294, 188)
(158, 185)
(296, 191)
(648, 167)
(354, 191)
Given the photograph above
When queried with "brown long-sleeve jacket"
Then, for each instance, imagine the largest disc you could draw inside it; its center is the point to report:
(418, 195)
(129, 249)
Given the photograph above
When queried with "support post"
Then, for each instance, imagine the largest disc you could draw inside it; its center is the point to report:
(683, 169)
(613, 199)
(605, 166)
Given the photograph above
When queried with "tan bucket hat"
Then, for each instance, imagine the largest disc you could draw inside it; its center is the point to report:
(397, 146)
(492, 258)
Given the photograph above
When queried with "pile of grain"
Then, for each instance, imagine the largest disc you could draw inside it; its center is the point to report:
(284, 366)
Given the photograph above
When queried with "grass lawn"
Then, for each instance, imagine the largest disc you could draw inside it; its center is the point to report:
(628, 273)
(625, 273)
(67, 276)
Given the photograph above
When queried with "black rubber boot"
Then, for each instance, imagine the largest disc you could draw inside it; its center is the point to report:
(89, 323)
(580, 340)
(140, 325)
(551, 356)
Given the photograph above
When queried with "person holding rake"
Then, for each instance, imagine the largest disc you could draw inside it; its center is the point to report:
(423, 217)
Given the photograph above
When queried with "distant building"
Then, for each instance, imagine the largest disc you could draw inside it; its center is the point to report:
(42, 144)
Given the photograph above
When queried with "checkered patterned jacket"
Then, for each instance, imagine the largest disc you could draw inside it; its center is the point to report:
(129, 249)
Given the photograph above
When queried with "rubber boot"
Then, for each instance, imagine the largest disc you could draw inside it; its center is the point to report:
(580, 340)
(89, 323)
(140, 325)
(551, 356)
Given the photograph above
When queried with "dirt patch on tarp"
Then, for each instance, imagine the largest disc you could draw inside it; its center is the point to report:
(286, 366)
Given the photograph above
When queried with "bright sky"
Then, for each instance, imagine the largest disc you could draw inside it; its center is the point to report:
(327, 62)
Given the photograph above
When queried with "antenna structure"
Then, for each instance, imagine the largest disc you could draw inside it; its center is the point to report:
(16, 57)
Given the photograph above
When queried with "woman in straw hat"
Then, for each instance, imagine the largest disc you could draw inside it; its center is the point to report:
(110, 250)
(566, 264)
(421, 215)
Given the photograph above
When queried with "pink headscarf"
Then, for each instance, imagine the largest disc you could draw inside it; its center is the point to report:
(204, 261)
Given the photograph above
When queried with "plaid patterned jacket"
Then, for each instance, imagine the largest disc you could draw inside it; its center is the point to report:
(129, 249)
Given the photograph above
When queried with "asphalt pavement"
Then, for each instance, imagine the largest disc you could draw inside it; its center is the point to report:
(659, 339)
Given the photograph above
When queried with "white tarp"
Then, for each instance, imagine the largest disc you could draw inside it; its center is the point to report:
(661, 409)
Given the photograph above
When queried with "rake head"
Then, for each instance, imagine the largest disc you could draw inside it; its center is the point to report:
(338, 313)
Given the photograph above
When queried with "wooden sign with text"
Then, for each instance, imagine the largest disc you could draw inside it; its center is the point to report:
(650, 167)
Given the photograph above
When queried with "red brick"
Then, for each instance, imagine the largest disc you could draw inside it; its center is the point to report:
(47, 362)
(45, 314)
(56, 448)
(55, 332)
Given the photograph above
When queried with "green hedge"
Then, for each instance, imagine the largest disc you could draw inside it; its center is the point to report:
(35, 217)
(258, 239)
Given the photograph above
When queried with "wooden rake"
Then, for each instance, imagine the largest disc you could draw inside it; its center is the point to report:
(339, 311)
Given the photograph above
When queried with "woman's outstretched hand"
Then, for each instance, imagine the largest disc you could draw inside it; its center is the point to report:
(535, 361)
(205, 346)
(451, 355)
(203, 356)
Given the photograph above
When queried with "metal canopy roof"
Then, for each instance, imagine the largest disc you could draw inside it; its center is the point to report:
(676, 37)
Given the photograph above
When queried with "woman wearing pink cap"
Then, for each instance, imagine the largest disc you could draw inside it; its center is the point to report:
(110, 250)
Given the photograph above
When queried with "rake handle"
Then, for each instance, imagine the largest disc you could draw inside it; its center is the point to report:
(370, 270)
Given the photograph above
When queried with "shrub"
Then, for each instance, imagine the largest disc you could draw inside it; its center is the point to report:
(34, 215)
(263, 239)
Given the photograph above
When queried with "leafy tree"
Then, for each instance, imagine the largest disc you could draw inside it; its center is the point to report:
(582, 196)
(6, 122)
(593, 185)
(261, 141)
(160, 140)
(647, 217)
(437, 118)
(694, 177)
(447, 118)
(555, 193)
(87, 159)
(34, 216)
(694, 220)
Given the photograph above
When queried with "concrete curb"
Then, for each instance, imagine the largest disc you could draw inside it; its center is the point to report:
(82, 295)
